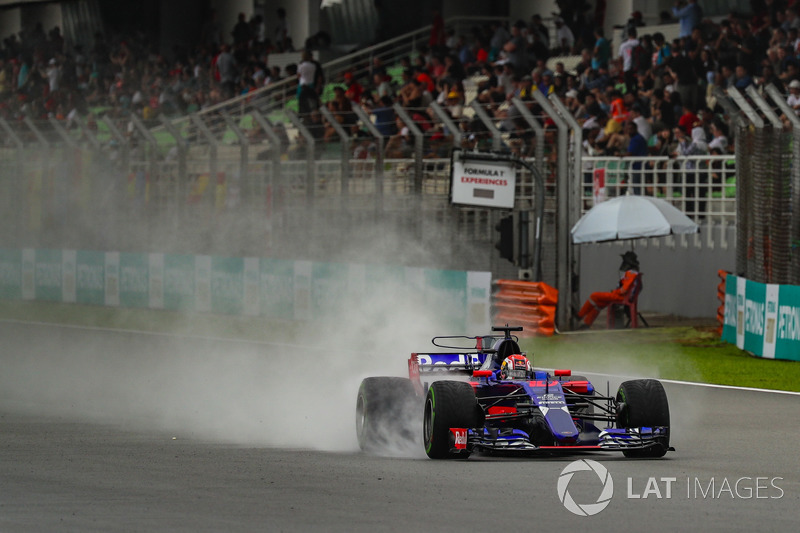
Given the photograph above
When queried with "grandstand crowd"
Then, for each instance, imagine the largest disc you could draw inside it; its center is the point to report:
(646, 95)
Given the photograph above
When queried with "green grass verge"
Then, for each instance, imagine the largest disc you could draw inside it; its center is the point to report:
(191, 324)
(679, 353)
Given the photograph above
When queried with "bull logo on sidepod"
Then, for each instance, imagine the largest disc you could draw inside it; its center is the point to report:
(586, 509)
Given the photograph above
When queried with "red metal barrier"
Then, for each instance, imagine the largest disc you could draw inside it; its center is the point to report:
(530, 304)
(721, 297)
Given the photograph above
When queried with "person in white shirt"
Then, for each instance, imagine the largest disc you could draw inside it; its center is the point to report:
(564, 37)
(794, 96)
(644, 127)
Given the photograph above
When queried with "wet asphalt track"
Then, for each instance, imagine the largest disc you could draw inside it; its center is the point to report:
(66, 465)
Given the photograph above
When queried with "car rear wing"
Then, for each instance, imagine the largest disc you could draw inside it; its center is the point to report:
(458, 362)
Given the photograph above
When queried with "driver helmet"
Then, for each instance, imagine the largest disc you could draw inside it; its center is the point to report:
(515, 366)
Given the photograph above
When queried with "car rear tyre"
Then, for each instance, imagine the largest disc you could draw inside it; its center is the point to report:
(387, 413)
(643, 403)
(448, 404)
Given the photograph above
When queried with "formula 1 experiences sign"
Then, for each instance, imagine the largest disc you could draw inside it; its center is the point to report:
(483, 184)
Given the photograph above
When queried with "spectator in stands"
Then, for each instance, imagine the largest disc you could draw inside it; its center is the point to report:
(342, 109)
(629, 52)
(282, 39)
(637, 147)
(500, 36)
(719, 138)
(225, 70)
(538, 27)
(516, 49)
(454, 105)
(792, 20)
(436, 42)
(564, 37)
(692, 146)
(663, 51)
(643, 126)
(688, 119)
(768, 77)
(384, 114)
(307, 94)
(794, 96)
(602, 50)
(684, 71)
(400, 145)
(743, 78)
(453, 68)
(689, 15)
(241, 31)
(382, 86)
(355, 90)
(522, 139)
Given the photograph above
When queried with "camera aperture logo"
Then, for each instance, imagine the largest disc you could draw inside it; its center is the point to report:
(585, 509)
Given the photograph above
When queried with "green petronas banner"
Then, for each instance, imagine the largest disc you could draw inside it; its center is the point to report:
(272, 288)
(763, 319)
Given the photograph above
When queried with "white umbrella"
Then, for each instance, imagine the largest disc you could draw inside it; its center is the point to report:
(631, 217)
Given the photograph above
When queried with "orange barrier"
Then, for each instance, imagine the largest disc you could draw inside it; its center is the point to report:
(721, 297)
(530, 304)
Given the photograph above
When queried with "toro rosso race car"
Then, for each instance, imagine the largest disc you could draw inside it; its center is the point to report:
(490, 399)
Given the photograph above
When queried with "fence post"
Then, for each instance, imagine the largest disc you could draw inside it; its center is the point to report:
(17, 197)
(183, 148)
(778, 99)
(59, 129)
(344, 138)
(213, 166)
(497, 139)
(419, 140)
(533, 123)
(564, 259)
(379, 170)
(244, 144)
(311, 170)
(273, 185)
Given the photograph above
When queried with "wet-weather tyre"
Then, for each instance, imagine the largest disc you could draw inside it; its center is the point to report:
(387, 413)
(448, 404)
(643, 403)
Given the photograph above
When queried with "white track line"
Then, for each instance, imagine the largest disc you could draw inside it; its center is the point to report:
(693, 383)
(303, 346)
(160, 334)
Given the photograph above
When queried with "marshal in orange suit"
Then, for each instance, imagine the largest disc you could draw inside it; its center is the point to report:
(600, 300)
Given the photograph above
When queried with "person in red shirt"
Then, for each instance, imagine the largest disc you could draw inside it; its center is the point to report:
(437, 38)
(600, 300)
(354, 89)
(687, 120)
(427, 80)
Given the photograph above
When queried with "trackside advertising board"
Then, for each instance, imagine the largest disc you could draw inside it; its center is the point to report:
(253, 286)
(485, 184)
(763, 319)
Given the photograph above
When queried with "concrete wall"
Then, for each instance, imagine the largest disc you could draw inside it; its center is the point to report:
(13, 20)
(10, 22)
(680, 281)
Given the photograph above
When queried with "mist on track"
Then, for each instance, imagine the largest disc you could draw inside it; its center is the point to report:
(293, 392)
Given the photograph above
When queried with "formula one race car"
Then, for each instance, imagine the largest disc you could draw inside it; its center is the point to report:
(502, 404)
